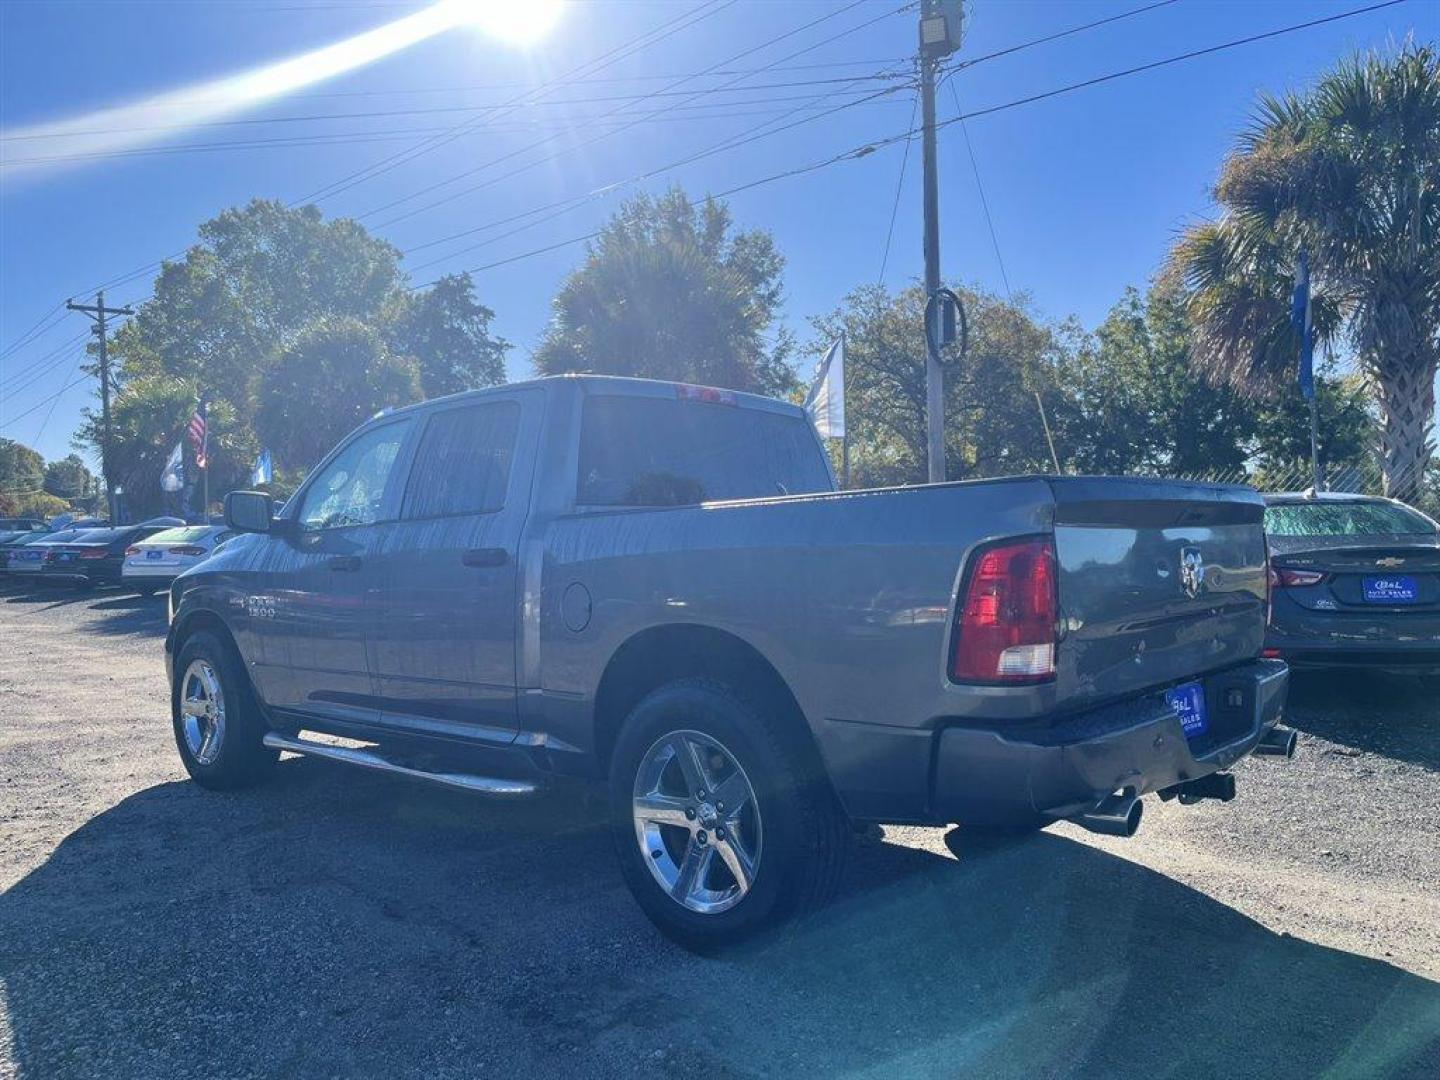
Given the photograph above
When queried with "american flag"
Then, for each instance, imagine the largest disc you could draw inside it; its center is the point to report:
(199, 433)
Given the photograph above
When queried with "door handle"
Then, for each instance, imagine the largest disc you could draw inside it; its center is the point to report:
(485, 557)
(344, 562)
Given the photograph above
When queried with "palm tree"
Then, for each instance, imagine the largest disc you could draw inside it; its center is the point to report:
(1349, 174)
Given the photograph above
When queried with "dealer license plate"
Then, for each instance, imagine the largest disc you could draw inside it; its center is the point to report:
(1188, 701)
(1391, 589)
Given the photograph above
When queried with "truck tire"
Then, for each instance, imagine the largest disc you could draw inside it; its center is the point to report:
(218, 724)
(721, 829)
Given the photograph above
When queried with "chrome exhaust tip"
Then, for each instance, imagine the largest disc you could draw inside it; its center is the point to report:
(1277, 742)
(1114, 815)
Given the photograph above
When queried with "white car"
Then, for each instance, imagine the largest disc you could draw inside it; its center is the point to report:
(157, 560)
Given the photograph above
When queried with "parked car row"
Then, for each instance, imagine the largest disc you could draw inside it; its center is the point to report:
(147, 556)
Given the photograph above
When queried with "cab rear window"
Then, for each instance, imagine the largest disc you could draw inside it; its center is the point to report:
(651, 451)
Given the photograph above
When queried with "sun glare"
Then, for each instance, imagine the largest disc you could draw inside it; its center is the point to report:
(144, 123)
(520, 22)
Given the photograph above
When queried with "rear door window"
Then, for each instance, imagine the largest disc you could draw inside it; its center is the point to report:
(650, 451)
(462, 465)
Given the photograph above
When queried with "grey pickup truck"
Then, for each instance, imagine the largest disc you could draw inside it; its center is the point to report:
(656, 586)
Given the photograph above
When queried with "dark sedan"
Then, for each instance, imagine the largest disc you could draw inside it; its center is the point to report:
(1355, 582)
(95, 556)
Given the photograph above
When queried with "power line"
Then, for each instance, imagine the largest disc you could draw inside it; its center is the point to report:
(984, 202)
(431, 110)
(9, 382)
(691, 114)
(620, 52)
(982, 112)
(43, 401)
(565, 205)
(885, 61)
(871, 147)
(385, 165)
(49, 413)
(35, 330)
(962, 64)
(899, 188)
(635, 122)
(1173, 60)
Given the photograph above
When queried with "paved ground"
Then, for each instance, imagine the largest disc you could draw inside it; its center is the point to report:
(343, 924)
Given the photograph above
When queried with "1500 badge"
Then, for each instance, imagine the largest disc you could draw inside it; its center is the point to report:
(260, 607)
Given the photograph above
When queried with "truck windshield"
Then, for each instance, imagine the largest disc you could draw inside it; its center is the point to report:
(650, 451)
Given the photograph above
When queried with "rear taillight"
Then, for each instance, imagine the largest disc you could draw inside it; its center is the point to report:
(94, 553)
(186, 549)
(1285, 577)
(1005, 626)
(132, 550)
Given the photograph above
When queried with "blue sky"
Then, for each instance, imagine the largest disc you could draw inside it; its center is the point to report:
(1087, 190)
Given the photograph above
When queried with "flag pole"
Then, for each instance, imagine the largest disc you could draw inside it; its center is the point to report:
(1316, 480)
(845, 462)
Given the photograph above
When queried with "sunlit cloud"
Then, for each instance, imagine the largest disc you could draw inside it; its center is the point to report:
(151, 120)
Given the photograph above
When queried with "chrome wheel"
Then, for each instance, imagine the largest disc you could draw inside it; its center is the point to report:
(697, 821)
(202, 712)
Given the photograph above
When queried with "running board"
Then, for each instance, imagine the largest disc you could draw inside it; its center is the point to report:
(495, 786)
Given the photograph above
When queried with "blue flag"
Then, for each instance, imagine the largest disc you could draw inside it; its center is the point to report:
(263, 472)
(1300, 320)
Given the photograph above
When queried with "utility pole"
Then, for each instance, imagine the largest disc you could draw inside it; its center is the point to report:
(98, 313)
(940, 27)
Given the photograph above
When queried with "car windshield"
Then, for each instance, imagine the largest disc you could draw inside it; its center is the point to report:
(187, 535)
(1345, 519)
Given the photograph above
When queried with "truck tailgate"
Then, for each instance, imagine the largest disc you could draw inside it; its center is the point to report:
(1159, 581)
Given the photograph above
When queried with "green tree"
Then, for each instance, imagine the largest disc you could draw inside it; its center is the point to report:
(334, 376)
(669, 290)
(68, 478)
(223, 318)
(1347, 427)
(1346, 174)
(447, 330)
(1132, 402)
(148, 418)
(993, 423)
(40, 504)
(22, 470)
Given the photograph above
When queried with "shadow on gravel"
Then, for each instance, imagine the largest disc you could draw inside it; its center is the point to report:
(1395, 716)
(123, 612)
(127, 613)
(342, 924)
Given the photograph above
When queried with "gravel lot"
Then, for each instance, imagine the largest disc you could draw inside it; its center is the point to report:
(337, 923)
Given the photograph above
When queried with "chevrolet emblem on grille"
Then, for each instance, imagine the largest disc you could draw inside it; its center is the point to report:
(1390, 561)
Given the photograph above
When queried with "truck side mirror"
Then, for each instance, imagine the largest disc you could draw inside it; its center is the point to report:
(248, 511)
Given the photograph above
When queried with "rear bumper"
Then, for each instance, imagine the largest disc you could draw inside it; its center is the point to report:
(1056, 767)
(152, 573)
(1383, 638)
